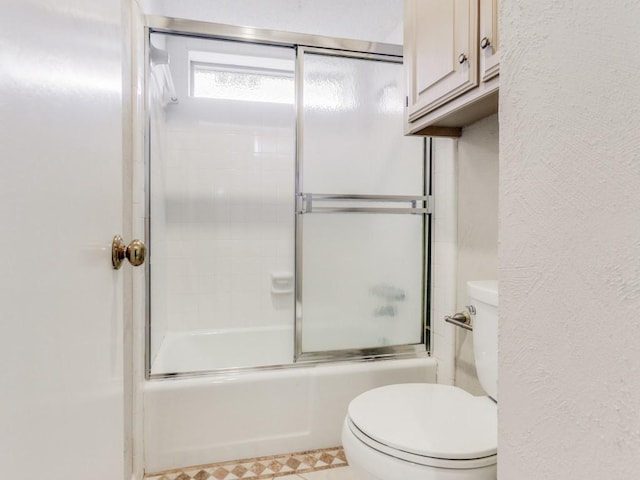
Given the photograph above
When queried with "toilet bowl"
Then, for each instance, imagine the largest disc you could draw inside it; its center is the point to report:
(427, 431)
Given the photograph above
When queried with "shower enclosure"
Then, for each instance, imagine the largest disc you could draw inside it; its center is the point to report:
(287, 215)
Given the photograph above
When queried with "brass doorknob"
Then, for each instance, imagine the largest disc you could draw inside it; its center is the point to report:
(134, 252)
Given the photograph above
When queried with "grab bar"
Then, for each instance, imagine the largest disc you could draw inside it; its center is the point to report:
(306, 203)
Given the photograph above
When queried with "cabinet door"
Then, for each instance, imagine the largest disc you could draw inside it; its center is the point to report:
(489, 40)
(441, 52)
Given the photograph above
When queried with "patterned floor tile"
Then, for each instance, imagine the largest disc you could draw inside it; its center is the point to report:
(261, 467)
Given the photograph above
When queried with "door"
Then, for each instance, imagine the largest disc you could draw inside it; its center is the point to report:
(61, 313)
(489, 40)
(220, 196)
(440, 52)
(362, 209)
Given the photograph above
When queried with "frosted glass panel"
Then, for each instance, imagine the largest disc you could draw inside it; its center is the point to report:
(362, 273)
(362, 283)
(222, 184)
(353, 139)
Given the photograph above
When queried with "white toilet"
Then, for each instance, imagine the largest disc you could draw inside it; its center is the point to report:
(419, 431)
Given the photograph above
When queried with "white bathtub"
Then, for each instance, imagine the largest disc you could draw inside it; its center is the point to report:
(207, 419)
(224, 348)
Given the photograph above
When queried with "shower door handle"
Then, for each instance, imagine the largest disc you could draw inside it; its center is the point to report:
(135, 252)
(317, 203)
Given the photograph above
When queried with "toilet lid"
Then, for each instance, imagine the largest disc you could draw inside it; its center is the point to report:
(429, 420)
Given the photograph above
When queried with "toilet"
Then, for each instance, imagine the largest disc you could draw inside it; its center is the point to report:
(419, 431)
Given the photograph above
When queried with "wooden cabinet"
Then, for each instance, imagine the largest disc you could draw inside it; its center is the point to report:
(443, 50)
(451, 60)
(489, 40)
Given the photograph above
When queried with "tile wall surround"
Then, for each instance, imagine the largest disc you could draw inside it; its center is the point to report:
(239, 240)
(292, 465)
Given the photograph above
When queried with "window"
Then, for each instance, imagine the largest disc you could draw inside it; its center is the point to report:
(241, 78)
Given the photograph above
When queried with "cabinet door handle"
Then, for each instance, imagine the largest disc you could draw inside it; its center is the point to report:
(484, 43)
(462, 58)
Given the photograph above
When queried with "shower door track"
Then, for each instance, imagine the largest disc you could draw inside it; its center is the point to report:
(194, 28)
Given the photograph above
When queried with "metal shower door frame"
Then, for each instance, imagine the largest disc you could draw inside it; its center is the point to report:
(419, 205)
(303, 43)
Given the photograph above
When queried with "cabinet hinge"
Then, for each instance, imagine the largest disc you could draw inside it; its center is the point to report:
(406, 101)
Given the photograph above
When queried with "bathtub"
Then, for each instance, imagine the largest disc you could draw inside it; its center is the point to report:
(224, 348)
(229, 416)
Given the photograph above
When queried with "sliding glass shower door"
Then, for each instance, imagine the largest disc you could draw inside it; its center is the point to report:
(361, 208)
(287, 212)
(221, 204)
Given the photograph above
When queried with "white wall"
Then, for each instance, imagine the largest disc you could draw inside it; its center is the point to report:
(444, 245)
(477, 230)
(569, 256)
(465, 240)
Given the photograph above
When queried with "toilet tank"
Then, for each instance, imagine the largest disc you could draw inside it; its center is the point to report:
(483, 295)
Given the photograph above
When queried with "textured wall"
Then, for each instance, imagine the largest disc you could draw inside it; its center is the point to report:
(477, 230)
(569, 253)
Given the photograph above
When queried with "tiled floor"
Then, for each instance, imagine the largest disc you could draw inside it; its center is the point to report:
(323, 464)
(340, 473)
